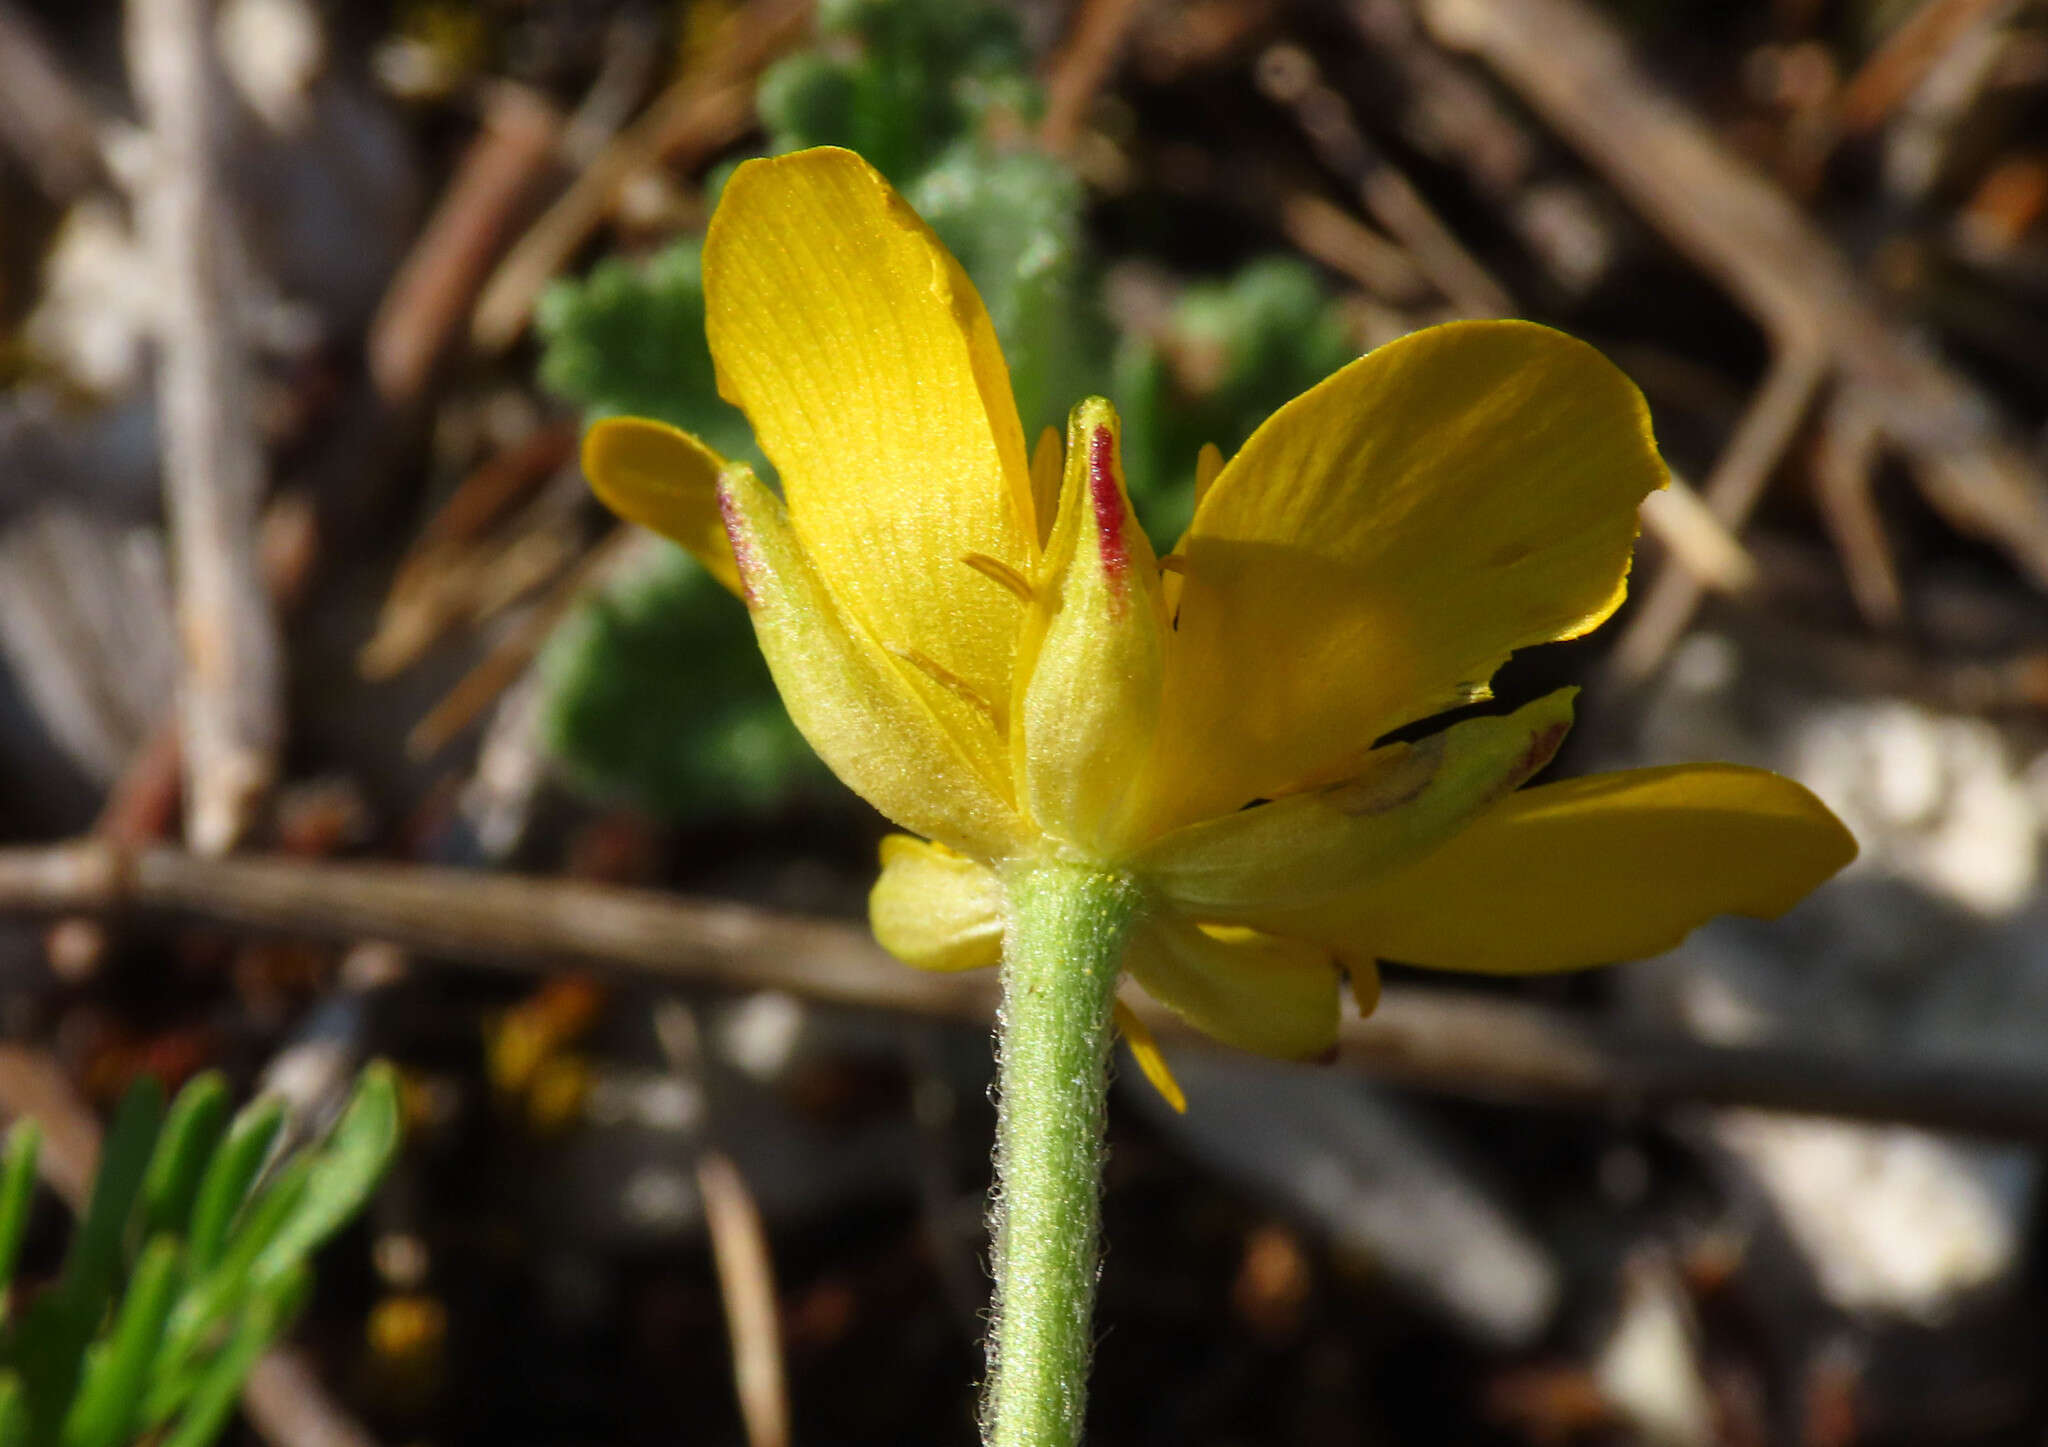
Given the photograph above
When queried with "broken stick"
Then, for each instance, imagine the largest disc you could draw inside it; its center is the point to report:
(231, 691)
(1575, 70)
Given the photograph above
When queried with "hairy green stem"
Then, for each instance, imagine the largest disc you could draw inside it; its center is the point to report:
(1061, 957)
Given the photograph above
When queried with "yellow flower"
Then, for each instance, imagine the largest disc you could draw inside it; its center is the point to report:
(983, 645)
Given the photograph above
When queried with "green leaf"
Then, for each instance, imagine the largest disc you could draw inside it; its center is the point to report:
(14, 1415)
(899, 80)
(96, 1250)
(656, 692)
(17, 1198)
(1014, 221)
(342, 1174)
(213, 1397)
(52, 1337)
(630, 339)
(225, 1185)
(1236, 350)
(109, 1405)
(222, 1292)
(191, 1132)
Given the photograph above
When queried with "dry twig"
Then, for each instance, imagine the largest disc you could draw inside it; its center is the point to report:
(1457, 1042)
(746, 1282)
(231, 695)
(494, 185)
(1289, 76)
(502, 667)
(704, 110)
(1907, 54)
(1095, 40)
(1573, 68)
(43, 118)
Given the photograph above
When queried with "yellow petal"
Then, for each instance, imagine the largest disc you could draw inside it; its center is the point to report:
(866, 363)
(1090, 657)
(1258, 992)
(1253, 865)
(661, 478)
(1151, 1064)
(1591, 871)
(936, 909)
(1384, 541)
(851, 699)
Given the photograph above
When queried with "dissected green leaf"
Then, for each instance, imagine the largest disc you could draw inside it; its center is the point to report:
(1235, 351)
(629, 338)
(898, 80)
(1013, 218)
(656, 692)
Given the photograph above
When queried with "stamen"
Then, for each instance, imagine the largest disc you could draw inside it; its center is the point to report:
(1001, 572)
(1151, 1063)
(952, 682)
(1174, 563)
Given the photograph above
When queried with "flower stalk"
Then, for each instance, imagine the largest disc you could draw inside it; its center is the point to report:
(1062, 953)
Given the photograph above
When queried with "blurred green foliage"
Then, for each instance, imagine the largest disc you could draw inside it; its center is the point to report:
(190, 1259)
(1234, 352)
(655, 693)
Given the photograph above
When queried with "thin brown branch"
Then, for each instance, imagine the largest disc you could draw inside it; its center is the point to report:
(1907, 54)
(1732, 492)
(1077, 72)
(231, 695)
(746, 1284)
(504, 665)
(495, 187)
(709, 108)
(1845, 476)
(1289, 76)
(1697, 540)
(1456, 1042)
(44, 118)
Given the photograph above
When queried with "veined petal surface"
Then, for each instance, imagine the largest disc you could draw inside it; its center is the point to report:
(663, 479)
(1089, 661)
(1383, 542)
(866, 363)
(1258, 992)
(1257, 864)
(936, 909)
(1595, 870)
(849, 697)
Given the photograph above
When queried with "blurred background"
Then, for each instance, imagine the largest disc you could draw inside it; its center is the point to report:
(302, 308)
